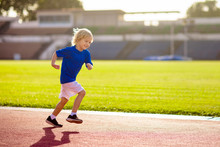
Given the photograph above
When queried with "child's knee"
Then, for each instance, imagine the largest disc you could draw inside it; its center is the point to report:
(83, 93)
(63, 100)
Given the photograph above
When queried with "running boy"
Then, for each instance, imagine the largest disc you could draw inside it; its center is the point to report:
(73, 59)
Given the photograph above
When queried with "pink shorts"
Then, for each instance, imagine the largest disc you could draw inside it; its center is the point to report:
(70, 89)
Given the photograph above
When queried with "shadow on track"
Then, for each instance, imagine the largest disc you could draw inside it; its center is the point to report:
(49, 139)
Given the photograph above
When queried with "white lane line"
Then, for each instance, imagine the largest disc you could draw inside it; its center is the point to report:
(146, 115)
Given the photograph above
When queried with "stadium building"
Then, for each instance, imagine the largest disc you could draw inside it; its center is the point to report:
(53, 30)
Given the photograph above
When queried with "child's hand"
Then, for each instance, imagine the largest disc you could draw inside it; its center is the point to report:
(89, 66)
(56, 66)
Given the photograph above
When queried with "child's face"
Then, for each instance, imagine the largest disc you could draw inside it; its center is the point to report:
(84, 43)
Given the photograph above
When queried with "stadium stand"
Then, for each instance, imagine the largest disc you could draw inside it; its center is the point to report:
(202, 50)
(197, 50)
(150, 48)
(128, 49)
(106, 50)
(100, 49)
(32, 48)
(23, 50)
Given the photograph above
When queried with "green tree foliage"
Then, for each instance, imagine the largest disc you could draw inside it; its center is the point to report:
(26, 9)
(21, 7)
(204, 9)
(58, 4)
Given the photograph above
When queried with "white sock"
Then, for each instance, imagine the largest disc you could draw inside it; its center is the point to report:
(73, 113)
(52, 116)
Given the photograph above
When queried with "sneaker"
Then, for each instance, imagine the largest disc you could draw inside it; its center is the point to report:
(53, 122)
(74, 119)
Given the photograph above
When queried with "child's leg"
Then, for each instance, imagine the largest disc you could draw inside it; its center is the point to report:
(72, 118)
(60, 106)
(78, 100)
(52, 118)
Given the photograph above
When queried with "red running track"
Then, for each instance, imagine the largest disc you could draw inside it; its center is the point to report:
(22, 128)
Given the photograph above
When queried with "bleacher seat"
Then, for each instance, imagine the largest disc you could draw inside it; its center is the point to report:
(151, 48)
(106, 50)
(24, 50)
(202, 50)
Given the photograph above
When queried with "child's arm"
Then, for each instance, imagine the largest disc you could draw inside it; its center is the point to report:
(53, 60)
(89, 66)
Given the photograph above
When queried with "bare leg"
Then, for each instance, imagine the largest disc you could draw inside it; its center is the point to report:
(60, 106)
(78, 100)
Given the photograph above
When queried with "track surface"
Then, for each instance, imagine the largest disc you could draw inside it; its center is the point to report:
(22, 128)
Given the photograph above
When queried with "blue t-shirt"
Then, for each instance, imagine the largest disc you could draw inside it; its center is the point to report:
(73, 60)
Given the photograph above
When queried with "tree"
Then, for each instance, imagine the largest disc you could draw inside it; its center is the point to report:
(26, 9)
(58, 4)
(21, 7)
(204, 9)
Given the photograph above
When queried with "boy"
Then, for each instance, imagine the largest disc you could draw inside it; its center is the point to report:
(73, 59)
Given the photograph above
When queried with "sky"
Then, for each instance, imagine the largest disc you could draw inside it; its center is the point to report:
(143, 6)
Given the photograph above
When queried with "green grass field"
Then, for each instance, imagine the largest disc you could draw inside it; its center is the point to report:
(191, 88)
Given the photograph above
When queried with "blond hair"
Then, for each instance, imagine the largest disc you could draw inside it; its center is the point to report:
(80, 34)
